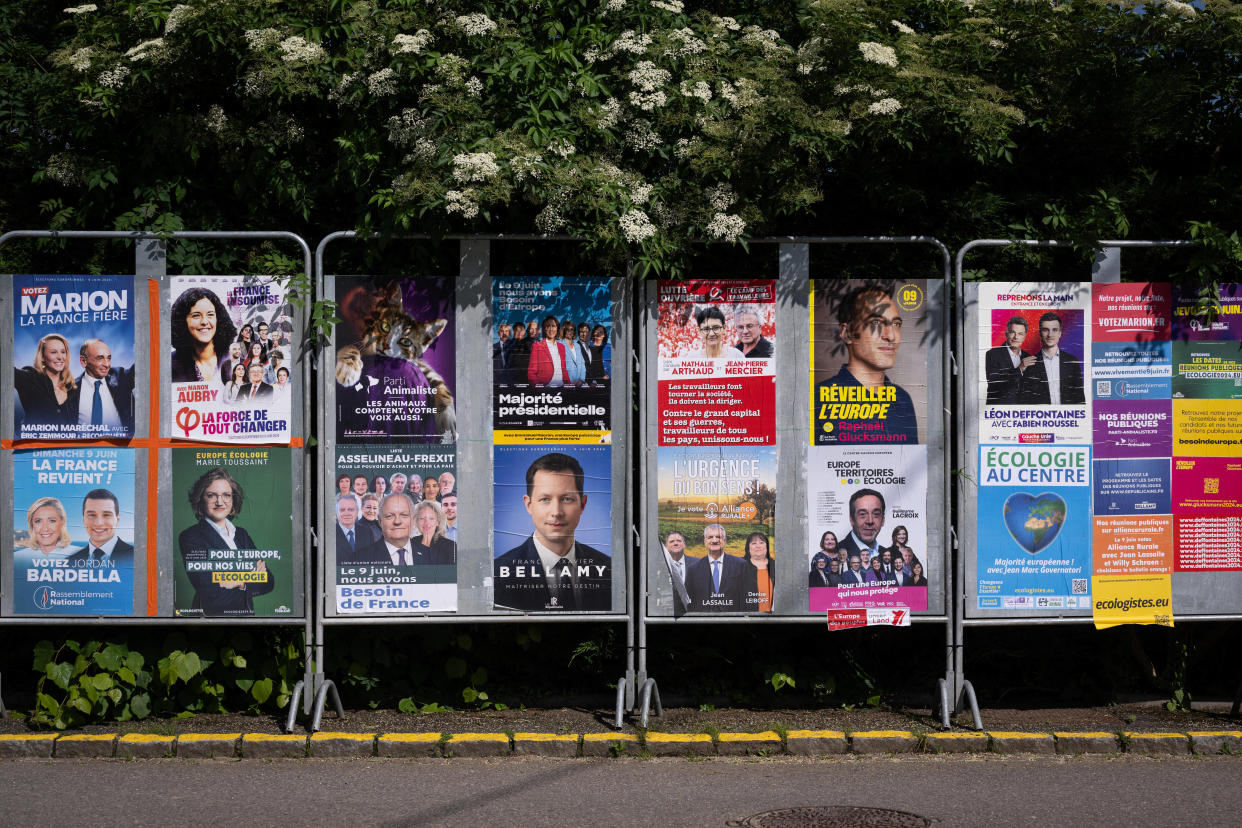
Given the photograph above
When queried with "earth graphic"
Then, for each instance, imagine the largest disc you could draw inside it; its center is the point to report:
(1034, 521)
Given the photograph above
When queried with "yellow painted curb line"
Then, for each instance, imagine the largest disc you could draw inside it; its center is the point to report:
(815, 734)
(28, 737)
(421, 738)
(1089, 734)
(880, 734)
(88, 737)
(1201, 734)
(664, 738)
(949, 736)
(325, 736)
(546, 737)
(765, 736)
(1017, 734)
(1155, 735)
(208, 737)
(609, 737)
(478, 737)
(144, 738)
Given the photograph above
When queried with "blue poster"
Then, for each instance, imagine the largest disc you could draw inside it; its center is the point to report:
(1132, 487)
(73, 531)
(552, 541)
(1132, 370)
(1034, 527)
(73, 357)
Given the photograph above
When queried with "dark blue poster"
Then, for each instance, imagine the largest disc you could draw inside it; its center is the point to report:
(73, 357)
(1132, 487)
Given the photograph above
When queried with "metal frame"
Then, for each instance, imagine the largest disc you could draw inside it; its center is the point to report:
(1106, 269)
(474, 262)
(793, 266)
(151, 262)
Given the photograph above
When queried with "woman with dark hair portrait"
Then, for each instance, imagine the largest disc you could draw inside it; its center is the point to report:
(759, 556)
(900, 549)
(916, 579)
(429, 545)
(246, 336)
(601, 355)
(379, 485)
(713, 341)
(201, 334)
(216, 499)
(43, 388)
(234, 383)
(828, 544)
(256, 353)
(343, 484)
(821, 574)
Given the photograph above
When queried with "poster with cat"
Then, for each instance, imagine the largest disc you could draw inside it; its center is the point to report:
(231, 363)
(395, 360)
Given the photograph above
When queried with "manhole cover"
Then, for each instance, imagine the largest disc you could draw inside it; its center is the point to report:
(833, 816)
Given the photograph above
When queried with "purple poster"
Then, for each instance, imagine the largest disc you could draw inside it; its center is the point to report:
(1133, 428)
(395, 360)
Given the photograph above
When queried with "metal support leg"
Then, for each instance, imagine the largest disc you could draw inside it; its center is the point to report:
(293, 706)
(945, 706)
(623, 695)
(968, 693)
(326, 689)
(650, 690)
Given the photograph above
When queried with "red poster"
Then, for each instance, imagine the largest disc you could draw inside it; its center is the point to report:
(717, 372)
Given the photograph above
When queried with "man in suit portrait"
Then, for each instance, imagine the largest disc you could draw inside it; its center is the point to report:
(500, 354)
(104, 398)
(866, 521)
(100, 513)
(256, 389)
(853, 576)
(396, 520)
(675, 558)
(1056, 376)
(351, 534)
(550, 570)
(718, 582)
(1005, 365)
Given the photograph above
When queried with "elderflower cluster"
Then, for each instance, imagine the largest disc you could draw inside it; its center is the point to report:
(145, 49)
(727, 24)
(631, 42)
(878, 53)
(295, 49)
(474, 87)
(636, 227)
(406, 128)
(685, 146)
(884, 106)
(690, 43)
(62, 169)
(721, 197)
(452, 68)
(424, 150)
(699, 89)
(741, 95)
(674, 6)
(412, 43)
(215, 119)
(475, 166)
(1179, 9)
(648, 78)
(526, 166)
(89, 7)
(613, 5)
(179, 14)
(901, 27)
(768, 40)
(114, 77)
(725, 227)
(549, 220)
(642, 136)
(258, 39)
(810, 56)
(461, 201)
(476, 24)
(81, 59)
(640, 192)
(609, 113)
(382, 83)
(562, 147)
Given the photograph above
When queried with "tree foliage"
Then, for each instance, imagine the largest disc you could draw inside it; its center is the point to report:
(640, 125)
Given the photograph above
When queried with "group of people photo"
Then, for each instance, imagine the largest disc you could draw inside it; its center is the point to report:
(836, 565)
(250, 364)
(552, 353)
(1044, 374)
(738, 335)
(48, 539)
(54, 397)
(718, 581)
(398, 519)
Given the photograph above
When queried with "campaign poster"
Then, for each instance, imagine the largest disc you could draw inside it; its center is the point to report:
(716, 516)
(1207, 514)
(1133, 545)
(233, 520)
(396, 377)
(1131, 356)
(395, 529)
(1033, 340)
(1207, 370)
(232, 359)
(1034, 527)
(1132, 487)
(73, 531)
(869, 362)
(867, 514)
(552, 528)
(552, 359)
(73, 357)
(717, 362)
(1203, 318)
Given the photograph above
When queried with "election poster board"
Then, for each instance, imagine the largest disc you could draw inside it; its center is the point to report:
(73, 357)
(552, 528)
(551, 360)
(395, 360)
(232, 370)
(867, 463)
(716, 518)
(233, 524)
(395, 529)
(73, 532)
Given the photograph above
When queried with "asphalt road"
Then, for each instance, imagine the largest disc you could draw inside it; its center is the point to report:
(955, 790)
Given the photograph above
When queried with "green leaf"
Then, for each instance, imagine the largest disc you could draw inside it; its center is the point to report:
(479, 676)
(102, 682)
(469, 694)
(186, 666)
(262, 690)
(60, 674)
(140, 705)
(126, 675)
(48, 704)
(43, 653)
(407, 705)
(110, 658)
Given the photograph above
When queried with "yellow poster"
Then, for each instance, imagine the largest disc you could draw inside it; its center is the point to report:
(1207, 428)
(1131, 599)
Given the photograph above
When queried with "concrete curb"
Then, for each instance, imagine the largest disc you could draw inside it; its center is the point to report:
(330, 745)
